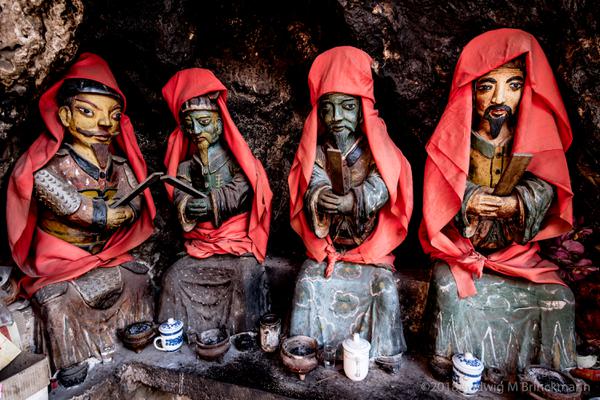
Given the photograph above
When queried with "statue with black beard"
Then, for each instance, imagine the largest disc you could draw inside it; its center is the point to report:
(493, 222)
(509, 322)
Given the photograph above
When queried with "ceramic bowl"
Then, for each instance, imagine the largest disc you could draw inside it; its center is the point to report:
(549, 384)
(137, 336)
(299, 354)
(211, 344)
(245, 341)
(390, 364)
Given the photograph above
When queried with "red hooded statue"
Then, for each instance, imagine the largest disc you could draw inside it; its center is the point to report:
(61, 226)
(243, 233)
(225, 221)
(350, 201)
(504, 104)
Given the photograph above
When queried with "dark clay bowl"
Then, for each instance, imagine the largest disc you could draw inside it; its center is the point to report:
(299, 354)
(137, 336)
(549, 384)
(211, 344)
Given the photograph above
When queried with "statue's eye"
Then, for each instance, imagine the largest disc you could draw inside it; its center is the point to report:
(484, 87)
(349, 106)
(325, 107)
(85, 111)
(204, 122)
(516, 85)
(117, 116)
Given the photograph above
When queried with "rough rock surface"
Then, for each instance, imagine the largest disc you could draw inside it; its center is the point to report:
(37, 40)
(256, 375)
(262, 53)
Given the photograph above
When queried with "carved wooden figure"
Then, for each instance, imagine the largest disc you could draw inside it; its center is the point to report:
(350, 200)
(225, 218)
(490, 193)
(65, 236)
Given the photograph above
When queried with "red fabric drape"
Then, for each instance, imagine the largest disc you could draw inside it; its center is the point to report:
(43, 258)
(542, 129)
(348, 70)
(241, 234)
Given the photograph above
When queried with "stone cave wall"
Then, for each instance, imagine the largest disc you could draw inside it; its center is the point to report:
(262, 52)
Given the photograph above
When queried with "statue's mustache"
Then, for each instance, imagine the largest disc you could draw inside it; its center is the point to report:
(502, 107)
(102, 134)
(339, 125)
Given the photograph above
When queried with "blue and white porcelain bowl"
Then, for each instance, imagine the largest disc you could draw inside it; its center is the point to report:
(171, 335)
(466, 373)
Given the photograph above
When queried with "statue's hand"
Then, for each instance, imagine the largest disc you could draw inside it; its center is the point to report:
(115, 217)
(490, 206)
(197, 208)
(333, 204)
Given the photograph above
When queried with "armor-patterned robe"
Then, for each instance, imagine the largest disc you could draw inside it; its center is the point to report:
(75, 195)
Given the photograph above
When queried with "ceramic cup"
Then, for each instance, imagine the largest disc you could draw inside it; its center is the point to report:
(171, 335)
(270, 329)
(586, 361)
(356, 357)
(466, 373)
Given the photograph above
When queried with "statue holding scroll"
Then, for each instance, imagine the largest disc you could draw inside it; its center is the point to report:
(350, 201)
(65, 234)
(223, 200)
(491, 192)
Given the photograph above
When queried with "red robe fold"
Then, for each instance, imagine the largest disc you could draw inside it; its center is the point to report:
(542, 129)
(348, 70)
(43, 258)
(240, 234)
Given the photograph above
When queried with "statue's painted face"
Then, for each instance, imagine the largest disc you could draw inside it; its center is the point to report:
(497, 96)
(202, 126)
(341, 113)
(92, 118)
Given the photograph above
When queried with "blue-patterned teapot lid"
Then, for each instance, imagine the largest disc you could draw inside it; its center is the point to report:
(467, 363)
(171, 325)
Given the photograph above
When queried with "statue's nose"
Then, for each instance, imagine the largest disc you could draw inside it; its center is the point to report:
(337, 113)
(499, 95)
(104, 121)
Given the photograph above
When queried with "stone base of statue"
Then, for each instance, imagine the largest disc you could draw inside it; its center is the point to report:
(80, 318)
(222, 290)
(509, 324)
(356, 298)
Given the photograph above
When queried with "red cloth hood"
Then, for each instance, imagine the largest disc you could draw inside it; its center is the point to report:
(542, 129)
(250, 233)
(46, 259)
(348, 70)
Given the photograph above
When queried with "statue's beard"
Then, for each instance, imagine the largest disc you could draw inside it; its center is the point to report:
(203, 146)
(102, 153)
(342, 137)
(496, 123)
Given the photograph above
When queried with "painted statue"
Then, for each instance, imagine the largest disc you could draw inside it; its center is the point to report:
(226, 223)
(482, 212)
(350, 201)
(64, 235)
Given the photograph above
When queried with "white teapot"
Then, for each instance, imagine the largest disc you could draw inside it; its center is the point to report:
(356, 357)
